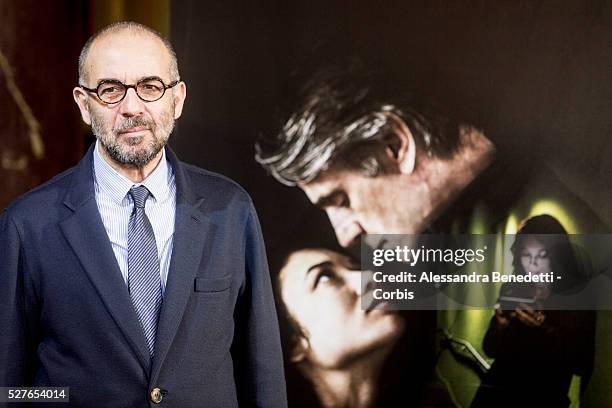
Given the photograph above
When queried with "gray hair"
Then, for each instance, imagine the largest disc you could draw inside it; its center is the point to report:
(342, 121)
(128, 26)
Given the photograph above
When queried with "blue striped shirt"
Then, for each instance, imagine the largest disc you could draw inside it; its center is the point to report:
(116, 205)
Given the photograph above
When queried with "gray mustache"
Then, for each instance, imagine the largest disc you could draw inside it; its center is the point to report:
(134, 121)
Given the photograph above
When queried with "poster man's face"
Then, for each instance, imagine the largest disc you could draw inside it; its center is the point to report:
(357, 203)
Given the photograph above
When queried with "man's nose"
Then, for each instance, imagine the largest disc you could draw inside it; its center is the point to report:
(345, 225)
(131, 105)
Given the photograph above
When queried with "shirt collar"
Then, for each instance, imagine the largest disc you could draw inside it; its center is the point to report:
(117, 185)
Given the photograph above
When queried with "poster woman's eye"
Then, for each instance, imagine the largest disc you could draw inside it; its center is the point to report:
(325, 275)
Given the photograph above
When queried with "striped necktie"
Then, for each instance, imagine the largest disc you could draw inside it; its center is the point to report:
(144, 281)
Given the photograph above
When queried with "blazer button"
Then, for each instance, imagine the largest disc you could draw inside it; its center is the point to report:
(156, 395)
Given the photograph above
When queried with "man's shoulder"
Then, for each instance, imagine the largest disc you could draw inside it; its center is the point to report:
(210, 185)
(38, 200)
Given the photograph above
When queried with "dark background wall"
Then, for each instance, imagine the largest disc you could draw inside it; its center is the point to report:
(39, 133)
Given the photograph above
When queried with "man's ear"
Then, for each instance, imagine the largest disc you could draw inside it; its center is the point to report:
(400, 146)
(300, 350)
(179, 93)
(80, 97)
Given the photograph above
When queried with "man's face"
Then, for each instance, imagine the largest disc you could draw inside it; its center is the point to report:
(357, 203)
(132, 132)
(322, 291)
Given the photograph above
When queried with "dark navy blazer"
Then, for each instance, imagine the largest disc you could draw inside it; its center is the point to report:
(66, 318)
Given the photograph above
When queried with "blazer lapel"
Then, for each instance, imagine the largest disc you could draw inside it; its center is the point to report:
(191, 232)
(87, 236)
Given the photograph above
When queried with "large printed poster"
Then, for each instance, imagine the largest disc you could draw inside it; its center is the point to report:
(351, 122)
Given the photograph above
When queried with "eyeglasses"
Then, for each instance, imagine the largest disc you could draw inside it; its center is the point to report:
(148, 89)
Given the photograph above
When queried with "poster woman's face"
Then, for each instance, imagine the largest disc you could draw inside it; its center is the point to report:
(321, 290)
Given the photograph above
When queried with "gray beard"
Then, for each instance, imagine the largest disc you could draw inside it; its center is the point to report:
(121, 153)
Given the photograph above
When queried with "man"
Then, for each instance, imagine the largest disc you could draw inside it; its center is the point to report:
(373, 166)
(381, 163)
(132, 278)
